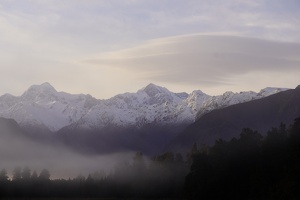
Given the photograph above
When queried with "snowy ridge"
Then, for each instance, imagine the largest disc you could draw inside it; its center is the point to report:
(42, 106)
(230, 98)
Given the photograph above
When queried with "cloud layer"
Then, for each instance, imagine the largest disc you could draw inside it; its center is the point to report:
(205, 60)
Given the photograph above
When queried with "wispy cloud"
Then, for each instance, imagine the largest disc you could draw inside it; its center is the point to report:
(203, 60)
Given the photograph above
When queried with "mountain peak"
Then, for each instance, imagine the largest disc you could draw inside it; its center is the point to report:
(46, 84)
(198, 92)
(153, 89)
(152, 86)
(42, 87)
(35, 90)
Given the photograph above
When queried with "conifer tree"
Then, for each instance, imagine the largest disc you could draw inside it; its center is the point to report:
(3, 175)
(17, 175)
(26, 173)
(44, 175)
(34, 175)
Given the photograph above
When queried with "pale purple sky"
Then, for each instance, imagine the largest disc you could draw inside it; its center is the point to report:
(108, 47)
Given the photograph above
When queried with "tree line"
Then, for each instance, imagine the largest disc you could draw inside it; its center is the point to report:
(161, 176)
(24, 174)
(250, 167)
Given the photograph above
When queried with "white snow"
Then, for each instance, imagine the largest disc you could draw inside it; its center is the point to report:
(41, 105)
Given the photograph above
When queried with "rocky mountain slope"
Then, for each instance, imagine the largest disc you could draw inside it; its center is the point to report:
(41, 106)
(226, 123)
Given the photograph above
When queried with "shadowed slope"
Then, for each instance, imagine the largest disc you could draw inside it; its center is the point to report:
(227, 123)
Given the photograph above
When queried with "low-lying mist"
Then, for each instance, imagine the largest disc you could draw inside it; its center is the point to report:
(16, 150)
(25, 165)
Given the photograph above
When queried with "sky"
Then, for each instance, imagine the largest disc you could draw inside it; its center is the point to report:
(104, 48)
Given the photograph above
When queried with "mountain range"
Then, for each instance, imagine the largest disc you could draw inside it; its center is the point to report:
(152, 120)
(41, 107)
(227, 123)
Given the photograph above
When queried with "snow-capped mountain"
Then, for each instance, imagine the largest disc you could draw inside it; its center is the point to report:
(230, 98)
(42, 106)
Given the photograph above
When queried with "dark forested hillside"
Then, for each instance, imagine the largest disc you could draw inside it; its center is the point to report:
(227, 123)
(251, 167)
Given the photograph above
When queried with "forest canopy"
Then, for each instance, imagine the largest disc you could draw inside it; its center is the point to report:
(250, 167)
